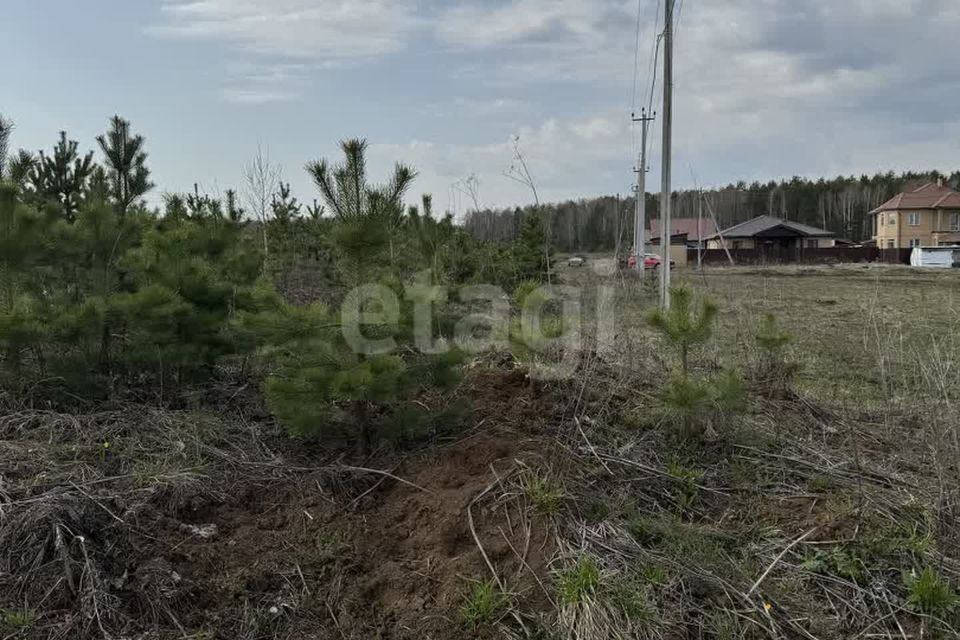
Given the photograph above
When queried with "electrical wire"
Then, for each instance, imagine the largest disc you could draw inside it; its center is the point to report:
(654, 58)
(636, 55)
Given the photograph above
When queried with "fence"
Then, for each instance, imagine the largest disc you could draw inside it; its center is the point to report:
(832, 255)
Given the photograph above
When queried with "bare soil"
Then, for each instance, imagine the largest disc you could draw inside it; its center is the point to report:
(258, 539)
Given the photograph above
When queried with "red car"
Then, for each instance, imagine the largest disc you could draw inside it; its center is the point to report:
(650, 261)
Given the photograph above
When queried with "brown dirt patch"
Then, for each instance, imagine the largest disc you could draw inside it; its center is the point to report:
(395, 565)
(179, 524)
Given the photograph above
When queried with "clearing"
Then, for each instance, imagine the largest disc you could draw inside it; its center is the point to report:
(825, 508)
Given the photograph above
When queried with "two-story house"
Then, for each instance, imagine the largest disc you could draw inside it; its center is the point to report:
(925, 217)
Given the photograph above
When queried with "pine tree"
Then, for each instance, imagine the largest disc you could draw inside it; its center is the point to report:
(367, 214)
(190, 277)
(532, 263)
(316, 368)
(284, 206)
(21, 325)
(692, 405)
(126, 162)
(19, 167)
(431, 234)
(682, 326)
(61, 178)
(234, 211)
(773, 340)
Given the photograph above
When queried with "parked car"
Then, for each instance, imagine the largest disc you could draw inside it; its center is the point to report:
(650, 261)
(576, 261)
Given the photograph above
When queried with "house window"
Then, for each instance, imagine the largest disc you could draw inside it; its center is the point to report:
(914, 242)
(955, 222)
(737, 245)
(813, 244)
(892, 218)
(891, 244)
(913, 218)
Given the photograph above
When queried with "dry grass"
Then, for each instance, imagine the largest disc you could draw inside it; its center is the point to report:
(801, 518)
(827, 510)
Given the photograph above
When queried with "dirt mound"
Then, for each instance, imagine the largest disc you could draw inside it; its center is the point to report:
(203, 532)
(394, 563)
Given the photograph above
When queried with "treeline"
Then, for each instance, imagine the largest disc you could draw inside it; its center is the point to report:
(840, 205)
(103, 299)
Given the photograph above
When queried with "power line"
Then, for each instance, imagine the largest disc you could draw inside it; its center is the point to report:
(636, 56)
(653, 78)
(654, 57)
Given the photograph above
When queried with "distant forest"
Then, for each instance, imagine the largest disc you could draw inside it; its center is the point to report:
(601, 224)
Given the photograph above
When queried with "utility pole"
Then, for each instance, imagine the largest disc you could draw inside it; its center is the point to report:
(665, 217)
(700, 229)
(640, 216)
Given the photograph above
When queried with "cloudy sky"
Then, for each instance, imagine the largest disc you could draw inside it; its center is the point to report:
(764, 88)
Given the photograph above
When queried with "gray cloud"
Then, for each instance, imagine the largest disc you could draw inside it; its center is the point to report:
(764, 87)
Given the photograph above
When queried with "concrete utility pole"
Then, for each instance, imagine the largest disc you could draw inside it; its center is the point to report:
(700, 229)
(640, 217)
(666, 233)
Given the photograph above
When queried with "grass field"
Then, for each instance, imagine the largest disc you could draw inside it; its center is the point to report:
(851, 474)
(823, 507)
(860, 333)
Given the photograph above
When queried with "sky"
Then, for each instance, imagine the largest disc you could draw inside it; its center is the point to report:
(764, 89)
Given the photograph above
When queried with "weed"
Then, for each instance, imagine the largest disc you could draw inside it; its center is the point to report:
(654, 575)
(930, 593)
(686, 492)
(484, 605)
(744, 475)
(597, 511)
(635, 602)
(328, 546)
(637, 420)
(17, 619)
(821, 484)
(688, 543)
(724, 625)
(546, 496)
(579, 582)
(840, 561)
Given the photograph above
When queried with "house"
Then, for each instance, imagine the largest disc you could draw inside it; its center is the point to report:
(925, 217)
(773, 237)
(695, 229)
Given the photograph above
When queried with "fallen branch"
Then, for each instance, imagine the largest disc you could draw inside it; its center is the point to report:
(777, 560)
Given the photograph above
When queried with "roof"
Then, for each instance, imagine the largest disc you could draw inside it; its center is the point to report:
(767, 225)
(688, 226)
(929, 196)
